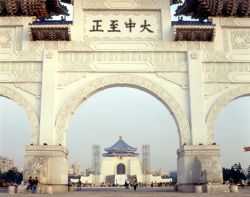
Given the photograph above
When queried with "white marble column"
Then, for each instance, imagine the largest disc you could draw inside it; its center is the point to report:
(196, 98)
(48, 98)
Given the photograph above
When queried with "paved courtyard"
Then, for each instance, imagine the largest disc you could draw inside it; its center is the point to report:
(120, 192)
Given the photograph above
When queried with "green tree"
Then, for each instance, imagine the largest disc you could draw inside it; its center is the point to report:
(12, 176)
(235, 172)
(248, 172)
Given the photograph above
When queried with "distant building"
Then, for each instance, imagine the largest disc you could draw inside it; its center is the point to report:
(70, 171)
(146, 159)
(76, 169)
(6, 164)
(88, 171)
(159, 172)
(146, 163)
(96, 164)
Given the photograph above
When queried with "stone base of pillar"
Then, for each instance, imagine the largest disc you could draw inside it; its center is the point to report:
(206, 188)
(216, 188)
(234, 188)
(200, 165)
(50, 165)
(12, 189)
(51, 189)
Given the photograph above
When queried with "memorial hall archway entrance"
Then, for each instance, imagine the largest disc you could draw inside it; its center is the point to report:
(136, 82)
(144, 120)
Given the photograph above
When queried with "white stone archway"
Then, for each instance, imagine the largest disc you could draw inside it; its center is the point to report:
(224, 100)
(20, 100)
(138, 82)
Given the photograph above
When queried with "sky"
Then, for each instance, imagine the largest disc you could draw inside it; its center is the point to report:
(138, 117)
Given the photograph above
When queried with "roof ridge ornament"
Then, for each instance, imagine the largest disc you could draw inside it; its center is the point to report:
(38, 8)
(206, 8)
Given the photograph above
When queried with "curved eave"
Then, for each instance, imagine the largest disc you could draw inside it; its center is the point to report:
(120, 154)
(172, 2)
(185, 8)
(206, 8)
(120, 149)
(68, 1)
(40, 9)
(56, 8)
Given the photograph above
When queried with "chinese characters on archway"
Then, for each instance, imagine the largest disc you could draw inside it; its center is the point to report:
(118, 26)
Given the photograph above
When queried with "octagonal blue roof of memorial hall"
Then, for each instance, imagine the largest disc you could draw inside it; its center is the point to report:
(120, 148)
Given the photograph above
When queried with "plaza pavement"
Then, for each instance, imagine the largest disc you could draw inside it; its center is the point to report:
(121, 192)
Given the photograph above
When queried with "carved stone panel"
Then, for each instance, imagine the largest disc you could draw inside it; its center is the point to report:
(226, 72)
(7, 38)
(121, 4)
(240, 39)
(123, 62)
(234, 22)
(20, 72)
(236, 39)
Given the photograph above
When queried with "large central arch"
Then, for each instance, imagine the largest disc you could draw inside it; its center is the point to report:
(138, 82)
(220, 104)
(20, 100)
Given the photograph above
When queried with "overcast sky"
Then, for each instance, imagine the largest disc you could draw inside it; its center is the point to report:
(138, 117)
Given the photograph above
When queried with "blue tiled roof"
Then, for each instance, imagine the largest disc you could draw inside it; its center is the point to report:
(52, 22)
(120, 148)
(120, 145)
(200, 23)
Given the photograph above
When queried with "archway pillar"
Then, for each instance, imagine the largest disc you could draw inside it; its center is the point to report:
(196, 99)
(48, 99)
(50, 164)
(200, 165)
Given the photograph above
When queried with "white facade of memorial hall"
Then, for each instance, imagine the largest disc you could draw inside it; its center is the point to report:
(128, 43)
(119, 163)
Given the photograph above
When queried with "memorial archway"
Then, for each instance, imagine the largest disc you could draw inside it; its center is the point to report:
(115, 81)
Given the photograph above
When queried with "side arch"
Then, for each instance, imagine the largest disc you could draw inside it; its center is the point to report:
(137, 82)
(220, 104)
(20, 100)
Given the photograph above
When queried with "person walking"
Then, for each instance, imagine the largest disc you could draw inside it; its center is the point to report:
(35, 185)
(79, 184)
(126, 184)
(135, 184)
(30, 183)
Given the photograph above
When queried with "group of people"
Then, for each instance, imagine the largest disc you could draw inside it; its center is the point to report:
(32, 184)
(135, 184)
